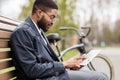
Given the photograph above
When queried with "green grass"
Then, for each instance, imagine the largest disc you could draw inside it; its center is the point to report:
(70, 54)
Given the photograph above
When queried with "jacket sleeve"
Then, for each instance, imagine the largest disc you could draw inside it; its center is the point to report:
(21, 46)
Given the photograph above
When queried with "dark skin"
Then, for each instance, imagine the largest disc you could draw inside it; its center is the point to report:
(45, 20)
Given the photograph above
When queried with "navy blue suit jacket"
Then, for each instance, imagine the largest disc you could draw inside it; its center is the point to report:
(32, 58)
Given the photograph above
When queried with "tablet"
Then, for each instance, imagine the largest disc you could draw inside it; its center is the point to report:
(91, 54)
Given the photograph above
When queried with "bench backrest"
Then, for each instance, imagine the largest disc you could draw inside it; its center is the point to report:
(6, 67)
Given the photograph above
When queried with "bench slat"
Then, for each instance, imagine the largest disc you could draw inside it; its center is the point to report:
(6, 27)
(4, 34)
(7, 76)
(4, 55)
(5, 64)
(6, 20)
(4, 49)
(4, 44)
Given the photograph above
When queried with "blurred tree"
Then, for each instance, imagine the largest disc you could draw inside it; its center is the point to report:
(107, 34)
(26, 10)
(116, 33)
(64, 18)
(97, 6)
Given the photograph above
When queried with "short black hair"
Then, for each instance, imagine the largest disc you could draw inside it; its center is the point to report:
(44, 5)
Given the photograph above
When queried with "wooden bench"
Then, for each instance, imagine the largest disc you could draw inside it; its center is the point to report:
(6, 67)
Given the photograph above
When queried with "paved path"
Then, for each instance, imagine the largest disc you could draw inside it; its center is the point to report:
(114, 55)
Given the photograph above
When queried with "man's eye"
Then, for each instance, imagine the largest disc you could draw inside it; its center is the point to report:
(52, 17)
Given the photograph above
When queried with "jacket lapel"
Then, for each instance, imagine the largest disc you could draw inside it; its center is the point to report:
(52, 53)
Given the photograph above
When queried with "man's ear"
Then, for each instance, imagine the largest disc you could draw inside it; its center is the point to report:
(39, 13)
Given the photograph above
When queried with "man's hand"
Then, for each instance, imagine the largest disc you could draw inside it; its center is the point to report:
(74, 63)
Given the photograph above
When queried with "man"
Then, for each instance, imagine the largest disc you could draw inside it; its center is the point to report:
(33, 57)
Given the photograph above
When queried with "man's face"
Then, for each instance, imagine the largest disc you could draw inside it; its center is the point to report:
(47, 20)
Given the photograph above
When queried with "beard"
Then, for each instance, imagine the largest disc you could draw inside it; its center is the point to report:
(41, 24)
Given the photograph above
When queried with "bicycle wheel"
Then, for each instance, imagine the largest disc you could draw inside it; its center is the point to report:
(102, 63)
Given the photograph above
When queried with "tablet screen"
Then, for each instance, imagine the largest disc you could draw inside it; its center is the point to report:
(91, 54)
